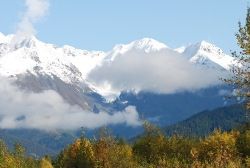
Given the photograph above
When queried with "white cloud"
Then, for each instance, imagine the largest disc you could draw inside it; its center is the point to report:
(48, 111)
(35, 10)
(164, 71)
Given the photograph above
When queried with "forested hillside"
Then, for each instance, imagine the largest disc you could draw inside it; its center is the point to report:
(203, 123)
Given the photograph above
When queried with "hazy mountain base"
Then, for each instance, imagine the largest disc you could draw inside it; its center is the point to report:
(166, 109)
(37, 143)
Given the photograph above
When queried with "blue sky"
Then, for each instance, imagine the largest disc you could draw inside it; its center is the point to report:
(99, 25)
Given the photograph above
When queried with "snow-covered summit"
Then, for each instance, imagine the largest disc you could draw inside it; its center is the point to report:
(146, 45)
(29, 55)
(204, 46)
(23, 41)
(208, 55)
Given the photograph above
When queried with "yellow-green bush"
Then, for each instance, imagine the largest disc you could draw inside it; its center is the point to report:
(217, 150)
(79, 154)
(243, 144)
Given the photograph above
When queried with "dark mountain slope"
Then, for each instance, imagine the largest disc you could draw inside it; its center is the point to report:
(203, 123)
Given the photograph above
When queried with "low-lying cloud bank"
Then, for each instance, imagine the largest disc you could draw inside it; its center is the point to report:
(48, 111)
(164, 71)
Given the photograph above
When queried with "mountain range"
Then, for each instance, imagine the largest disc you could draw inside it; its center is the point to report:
(164, 85)
(96, 88)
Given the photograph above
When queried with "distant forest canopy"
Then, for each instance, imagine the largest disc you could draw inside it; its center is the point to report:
(152, 149)
(204, 123)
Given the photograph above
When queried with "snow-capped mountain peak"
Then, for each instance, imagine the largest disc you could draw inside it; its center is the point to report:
(208, 47)
(146, 45)
(22, 55)
(23, 41)
(208, 55)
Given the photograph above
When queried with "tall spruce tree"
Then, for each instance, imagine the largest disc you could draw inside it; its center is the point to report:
(241, 71)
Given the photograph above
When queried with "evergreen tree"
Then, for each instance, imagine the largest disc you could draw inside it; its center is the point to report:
(241, 77)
